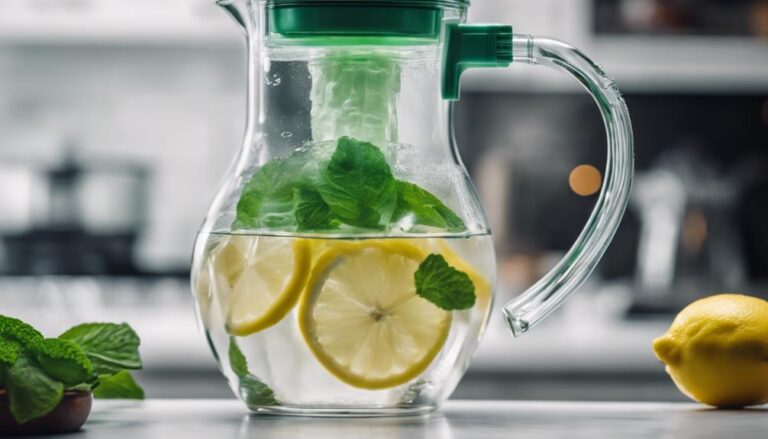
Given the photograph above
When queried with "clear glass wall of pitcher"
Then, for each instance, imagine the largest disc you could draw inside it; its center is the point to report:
(346, 266)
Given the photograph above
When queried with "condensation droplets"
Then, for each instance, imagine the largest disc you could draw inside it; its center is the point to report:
(274, 80)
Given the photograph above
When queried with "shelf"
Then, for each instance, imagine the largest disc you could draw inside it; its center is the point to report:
(159, 34)
(639, 64)
(97, 22)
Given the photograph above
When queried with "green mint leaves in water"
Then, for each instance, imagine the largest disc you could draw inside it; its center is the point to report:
(36, 371)
(358, 185)
(254, 392)
(426, 208)
(355, 188)
(443, 285)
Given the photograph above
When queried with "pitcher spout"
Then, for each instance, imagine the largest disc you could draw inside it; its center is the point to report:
(237, 9)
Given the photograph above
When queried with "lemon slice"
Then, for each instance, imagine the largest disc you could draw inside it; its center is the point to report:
(201, 287)
(266, 276)
(361, 317)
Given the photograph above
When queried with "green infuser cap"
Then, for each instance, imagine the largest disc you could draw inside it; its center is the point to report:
(368, 19)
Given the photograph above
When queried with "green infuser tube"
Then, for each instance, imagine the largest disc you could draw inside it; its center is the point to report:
(354, 93)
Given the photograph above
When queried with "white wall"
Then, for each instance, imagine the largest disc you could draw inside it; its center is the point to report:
(564, 19)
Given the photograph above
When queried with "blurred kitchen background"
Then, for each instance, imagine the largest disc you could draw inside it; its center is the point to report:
(118, 119)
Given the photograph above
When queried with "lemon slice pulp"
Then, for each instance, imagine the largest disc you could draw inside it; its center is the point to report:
(361, 317)
(265, 276)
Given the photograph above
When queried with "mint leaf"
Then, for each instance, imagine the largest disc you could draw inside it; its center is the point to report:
(237, 360)
(84, 387)
(64, 361)
(425, 208)
(311, 211)
(118, 386)
(255, 393)
(111, 347)
(358, 185)
(443, 285)
(31, 392)
(267, 200)
(15, 330)
(9, 352)
(252, 391)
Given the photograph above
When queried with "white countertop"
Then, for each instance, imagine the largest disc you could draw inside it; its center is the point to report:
(191, 419)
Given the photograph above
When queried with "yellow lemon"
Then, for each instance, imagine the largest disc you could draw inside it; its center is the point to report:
(361, 317)
(716, 350)
(264, 277)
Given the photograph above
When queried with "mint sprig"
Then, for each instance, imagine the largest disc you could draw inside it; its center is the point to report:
(355, 188)
(36, 371)
(443, 285)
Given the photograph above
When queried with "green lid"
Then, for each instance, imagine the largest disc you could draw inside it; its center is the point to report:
(313, 19)
(396, 3)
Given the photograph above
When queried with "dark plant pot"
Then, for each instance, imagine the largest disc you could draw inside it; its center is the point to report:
(67, 417)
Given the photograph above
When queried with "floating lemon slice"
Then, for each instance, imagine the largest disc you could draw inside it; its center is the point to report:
(266, 276)
(201, 287)
(361, 317)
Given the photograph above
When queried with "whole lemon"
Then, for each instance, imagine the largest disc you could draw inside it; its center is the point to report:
(716, 350)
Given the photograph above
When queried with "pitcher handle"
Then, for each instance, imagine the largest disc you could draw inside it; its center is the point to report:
(478, 45)
(540, 300)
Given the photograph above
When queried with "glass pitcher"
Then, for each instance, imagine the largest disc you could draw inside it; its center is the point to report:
(346, 265)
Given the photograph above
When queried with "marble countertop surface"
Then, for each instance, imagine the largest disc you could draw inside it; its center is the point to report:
(189, 419)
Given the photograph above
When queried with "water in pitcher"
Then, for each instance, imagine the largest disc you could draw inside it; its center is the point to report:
(341, 321)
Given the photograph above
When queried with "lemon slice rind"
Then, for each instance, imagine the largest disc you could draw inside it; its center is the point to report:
(321, 271)
(281, 305)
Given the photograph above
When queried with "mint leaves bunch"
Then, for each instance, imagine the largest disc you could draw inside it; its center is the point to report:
(354, 189)
(36, 371)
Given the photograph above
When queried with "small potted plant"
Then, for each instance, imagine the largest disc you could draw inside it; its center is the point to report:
(47, 384)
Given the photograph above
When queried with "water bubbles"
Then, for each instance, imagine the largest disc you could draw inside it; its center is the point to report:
(286, 134)
(273, 80)
(302, 148)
